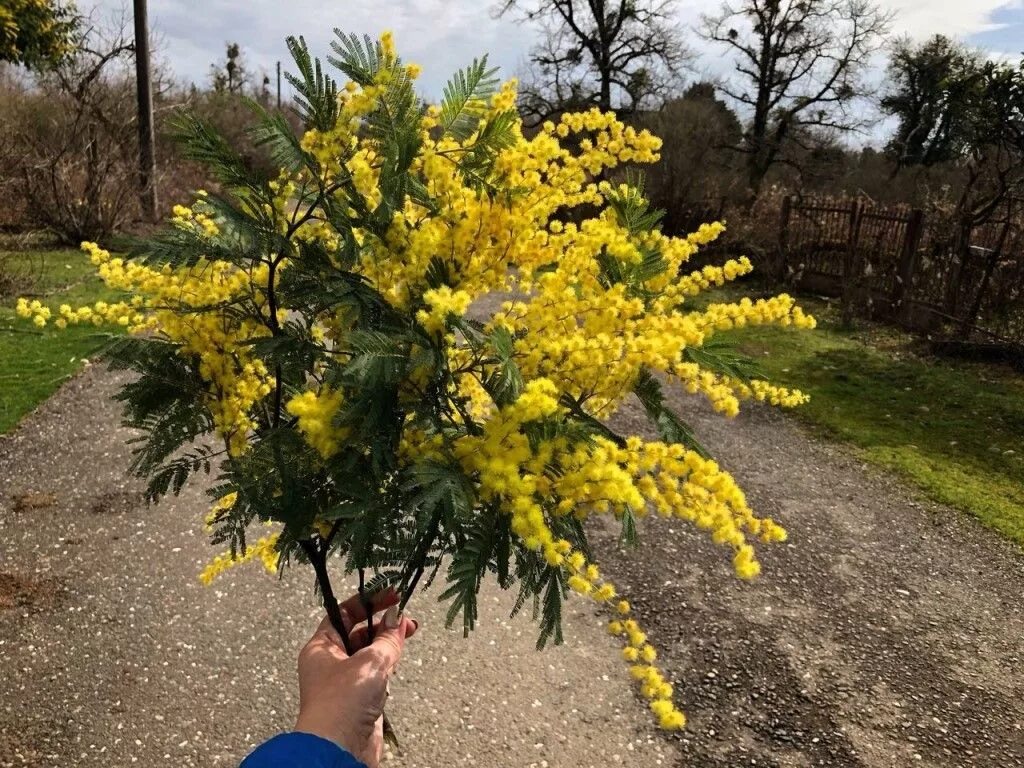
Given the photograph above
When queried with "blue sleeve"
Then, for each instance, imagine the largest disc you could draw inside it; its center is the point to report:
(300, 750)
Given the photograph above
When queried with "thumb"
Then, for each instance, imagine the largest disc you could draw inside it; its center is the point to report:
(389, 641)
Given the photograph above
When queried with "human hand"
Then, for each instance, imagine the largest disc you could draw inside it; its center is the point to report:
(342, 698)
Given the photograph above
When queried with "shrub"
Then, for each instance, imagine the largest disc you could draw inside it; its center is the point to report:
(70, 146)
(698, 171)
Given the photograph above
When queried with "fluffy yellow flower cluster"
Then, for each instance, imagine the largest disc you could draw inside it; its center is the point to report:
(33, 309)
(315, 413)
(597, 303)
(533, 477)
(263, 549)
(220, 508)
(161, 301)
(119, 313)
(441, 303)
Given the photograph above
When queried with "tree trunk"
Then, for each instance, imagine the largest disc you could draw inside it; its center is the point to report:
(147, 153)
(756, 171)
(605, 103)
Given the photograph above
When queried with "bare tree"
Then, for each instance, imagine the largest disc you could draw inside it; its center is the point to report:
(624, 55)
(231, 76)
(73, 141)
(800, 65)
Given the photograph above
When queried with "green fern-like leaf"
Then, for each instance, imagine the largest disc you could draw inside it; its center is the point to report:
(629, 535)
(432, 484)
(469, 564)
(477, 161)
(276, 136)
(465, 97)
(377, 357)
(671, 428)
(721, 357)
(550, 611)
(505, 382)
(316, 93)
(633, 210)
(201, 142)
(361, 59)
(164, 401)
(172, 476)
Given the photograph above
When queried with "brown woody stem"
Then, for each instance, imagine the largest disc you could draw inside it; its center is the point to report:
(367, 603)
(318, 559)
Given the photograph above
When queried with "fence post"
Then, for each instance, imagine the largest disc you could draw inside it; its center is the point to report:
(851, 266)
(787, 204)
(908, 260)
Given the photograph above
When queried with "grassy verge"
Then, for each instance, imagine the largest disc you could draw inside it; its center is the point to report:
(35, 362)
(952, 429)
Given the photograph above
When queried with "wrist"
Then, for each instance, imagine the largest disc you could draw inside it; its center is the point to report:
(312, 723)
(326, 726)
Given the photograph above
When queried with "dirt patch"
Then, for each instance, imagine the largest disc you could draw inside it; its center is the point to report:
(115, 503)
(17, 750)
(30, 743)
(29, 501)
(27, 593)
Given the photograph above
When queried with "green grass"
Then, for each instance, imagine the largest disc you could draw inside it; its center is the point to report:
(35, 362)
(952, 429)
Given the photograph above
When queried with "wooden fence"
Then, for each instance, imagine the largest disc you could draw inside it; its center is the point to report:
(927, 273)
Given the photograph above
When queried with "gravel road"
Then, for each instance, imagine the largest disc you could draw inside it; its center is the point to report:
(886, 632)
(113, 654)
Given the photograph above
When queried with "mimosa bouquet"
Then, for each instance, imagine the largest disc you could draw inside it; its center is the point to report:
(311, 339)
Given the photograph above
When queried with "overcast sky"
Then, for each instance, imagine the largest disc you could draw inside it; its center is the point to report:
(444, 35)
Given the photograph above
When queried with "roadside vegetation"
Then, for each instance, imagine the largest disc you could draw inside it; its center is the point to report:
(35, 362)
(953, 429)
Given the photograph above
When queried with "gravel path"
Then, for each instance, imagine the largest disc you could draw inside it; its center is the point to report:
(885, 633)
(112, 653)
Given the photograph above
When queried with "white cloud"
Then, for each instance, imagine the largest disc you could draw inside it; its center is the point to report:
(954, 18)
(442, 35)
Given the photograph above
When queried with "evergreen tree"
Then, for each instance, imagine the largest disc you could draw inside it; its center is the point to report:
(931, 87)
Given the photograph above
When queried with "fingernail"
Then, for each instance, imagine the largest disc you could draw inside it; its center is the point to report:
(415, 624)
(392, 618)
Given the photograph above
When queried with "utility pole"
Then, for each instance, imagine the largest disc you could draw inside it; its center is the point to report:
(279, 86)
(147, 152)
